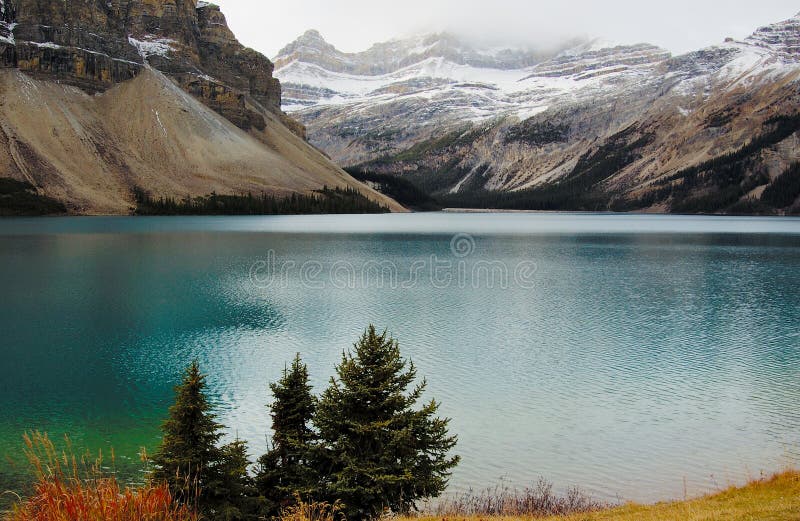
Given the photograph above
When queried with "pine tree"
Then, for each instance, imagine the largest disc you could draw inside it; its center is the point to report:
(377, 452)
(213, 478)
(287, 469)
(235, 497)
(189, 456)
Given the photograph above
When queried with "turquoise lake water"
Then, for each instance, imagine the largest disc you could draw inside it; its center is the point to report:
(634, 356)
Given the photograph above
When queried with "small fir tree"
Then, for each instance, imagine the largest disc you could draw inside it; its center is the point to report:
(213, 479)
(287, 469)
(377, 451)
(189, 457)
(235, 497)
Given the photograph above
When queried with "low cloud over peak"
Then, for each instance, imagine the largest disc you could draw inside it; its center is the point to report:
(354, 25)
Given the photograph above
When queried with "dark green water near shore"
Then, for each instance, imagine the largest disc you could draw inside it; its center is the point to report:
(623, 354)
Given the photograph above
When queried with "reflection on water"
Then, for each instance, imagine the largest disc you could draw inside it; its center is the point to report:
(632, 360)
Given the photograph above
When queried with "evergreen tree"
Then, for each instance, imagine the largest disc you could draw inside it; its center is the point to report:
(235, 498)
(189, 456)
(377, 452)
(213, 478)
(287, 469)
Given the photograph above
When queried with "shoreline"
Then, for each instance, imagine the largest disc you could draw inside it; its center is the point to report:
(775, 497)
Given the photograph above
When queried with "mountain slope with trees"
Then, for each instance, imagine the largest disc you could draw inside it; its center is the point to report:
(596, 126)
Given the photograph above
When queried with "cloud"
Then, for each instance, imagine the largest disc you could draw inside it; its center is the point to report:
(353, 25)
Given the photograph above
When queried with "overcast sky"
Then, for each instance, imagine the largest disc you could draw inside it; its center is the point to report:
(353, 25)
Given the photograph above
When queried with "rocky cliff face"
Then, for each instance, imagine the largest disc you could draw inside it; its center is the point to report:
(595, 126)
(98, 97)
(94, 44)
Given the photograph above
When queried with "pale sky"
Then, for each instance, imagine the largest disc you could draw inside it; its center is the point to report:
(353, 25)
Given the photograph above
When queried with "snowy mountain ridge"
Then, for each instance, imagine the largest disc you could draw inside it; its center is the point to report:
(457, 118)
(438, 68)
(390, 56)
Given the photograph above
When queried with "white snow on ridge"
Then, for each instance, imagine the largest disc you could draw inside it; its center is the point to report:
(429, 74)
(443, 88)
(466, 91)
(747, 63)
(55, 46)
(9, 29)
(748, 60)
(598, 44)
(152, 46)
(348, 85)
(48, 45)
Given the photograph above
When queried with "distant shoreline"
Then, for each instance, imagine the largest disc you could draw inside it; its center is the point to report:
(495, 210)
(607, 212)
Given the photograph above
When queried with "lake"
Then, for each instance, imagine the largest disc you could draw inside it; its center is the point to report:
(638, 357)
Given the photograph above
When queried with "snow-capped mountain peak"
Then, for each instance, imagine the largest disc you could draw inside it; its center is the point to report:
(781, 38)
(393, 55)
(461, 78)
(461, 117)
(310, 47)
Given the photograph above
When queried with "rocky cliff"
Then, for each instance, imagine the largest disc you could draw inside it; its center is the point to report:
(94, 44)
(72, 68)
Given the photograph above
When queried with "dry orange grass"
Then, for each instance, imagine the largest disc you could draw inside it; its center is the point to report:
(312, 511)
(774, 499)
(74, 489)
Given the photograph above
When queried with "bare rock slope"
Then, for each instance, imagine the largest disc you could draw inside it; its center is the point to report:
(99, 98)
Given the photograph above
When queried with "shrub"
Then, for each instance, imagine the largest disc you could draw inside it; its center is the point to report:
(536, 501)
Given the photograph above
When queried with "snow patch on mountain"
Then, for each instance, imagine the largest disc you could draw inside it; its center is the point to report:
(597, 44)
(152, 46)
(7, 33)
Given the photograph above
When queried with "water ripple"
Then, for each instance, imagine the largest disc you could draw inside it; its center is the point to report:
(635, 364)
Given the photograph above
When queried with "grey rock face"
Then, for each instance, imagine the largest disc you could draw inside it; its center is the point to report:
(94, 44)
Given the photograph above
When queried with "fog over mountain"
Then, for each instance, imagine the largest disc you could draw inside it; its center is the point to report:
(353, 25)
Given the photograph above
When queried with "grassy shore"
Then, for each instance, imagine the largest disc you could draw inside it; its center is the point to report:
(774, 499)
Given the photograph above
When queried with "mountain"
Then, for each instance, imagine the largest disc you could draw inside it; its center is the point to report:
(101, 98)
(595, 125)
(385, 58)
